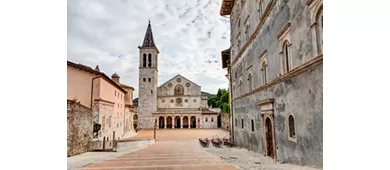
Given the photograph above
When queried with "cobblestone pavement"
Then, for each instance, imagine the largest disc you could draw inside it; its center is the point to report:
(249, 160)
(174, 149)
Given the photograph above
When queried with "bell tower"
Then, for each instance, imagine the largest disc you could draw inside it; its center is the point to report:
(147, 83)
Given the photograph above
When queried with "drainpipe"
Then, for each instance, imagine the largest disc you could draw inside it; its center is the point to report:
(231, 102)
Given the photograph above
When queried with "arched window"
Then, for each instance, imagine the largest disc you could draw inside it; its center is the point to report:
(212, 119)
(242, 123)
(260, 10)
(250, 82)
(320, 26)
(150, 60)
(144, 60)
(291, 125)
(206, 119)
(179, 90)
(247, 34)
(286, 56)
(235, 121)
(264, 72)
(252, 125)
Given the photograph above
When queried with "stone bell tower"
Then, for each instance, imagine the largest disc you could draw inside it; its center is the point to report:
(148, 74)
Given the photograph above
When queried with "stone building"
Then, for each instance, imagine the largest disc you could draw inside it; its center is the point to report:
(177, 103)
(110, 101)
(275, 66)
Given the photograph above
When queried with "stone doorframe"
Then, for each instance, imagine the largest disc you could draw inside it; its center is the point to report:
(267, 111)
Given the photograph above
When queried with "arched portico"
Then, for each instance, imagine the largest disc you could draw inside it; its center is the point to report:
(185, 122)
(169, 122)
(161, 122)
(193, 122)
(177, 122)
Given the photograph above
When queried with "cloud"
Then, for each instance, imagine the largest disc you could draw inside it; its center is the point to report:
(189, 34)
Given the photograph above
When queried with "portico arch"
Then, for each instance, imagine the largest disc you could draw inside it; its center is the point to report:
(161, 122)
(185, 122)
(169, 122)
(193, 122)
(177, 122)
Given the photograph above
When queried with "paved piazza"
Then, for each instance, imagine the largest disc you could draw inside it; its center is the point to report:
(174, 149)
(177, 149)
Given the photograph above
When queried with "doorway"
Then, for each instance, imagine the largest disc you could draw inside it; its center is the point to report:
(219, 123)
(177, 124)
(269, 137)
(161, 122)
(169, 122)
(193, 122)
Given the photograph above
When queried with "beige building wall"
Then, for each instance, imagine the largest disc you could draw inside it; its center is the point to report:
(79, 85)
(209, 121)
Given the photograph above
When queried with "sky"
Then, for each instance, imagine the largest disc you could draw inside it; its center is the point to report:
(190, 35)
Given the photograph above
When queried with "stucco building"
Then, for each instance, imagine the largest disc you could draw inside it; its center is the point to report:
(275, 68)
(110, 101)
(177, 103)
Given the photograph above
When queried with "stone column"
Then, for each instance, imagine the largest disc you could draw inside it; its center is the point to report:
(158, 123)
(189, 122)
(165, 122)
(173, 123)
(181, 122)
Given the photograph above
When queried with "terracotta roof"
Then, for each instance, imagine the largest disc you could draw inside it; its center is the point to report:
(207, 111)
(124, 85)
(89, 69)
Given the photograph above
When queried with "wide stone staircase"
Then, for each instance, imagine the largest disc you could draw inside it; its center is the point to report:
(165, 155)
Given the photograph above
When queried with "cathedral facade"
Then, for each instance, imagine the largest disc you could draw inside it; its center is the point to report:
(177, 103)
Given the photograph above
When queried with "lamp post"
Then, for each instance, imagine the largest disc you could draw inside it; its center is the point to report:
(155, 124)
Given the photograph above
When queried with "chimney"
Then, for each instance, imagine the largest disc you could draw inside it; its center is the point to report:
(97, 68)
(115, 77)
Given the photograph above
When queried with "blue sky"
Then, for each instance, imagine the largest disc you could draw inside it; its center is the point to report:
(190, 35)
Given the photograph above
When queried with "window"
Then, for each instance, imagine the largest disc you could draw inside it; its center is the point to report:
(235, 121)
(250, 82)
(317, 25)
(117, 114)
(286, 56)
(144, 60)
(242, 123)
(151, 91)
(206, 119)
(144, 79)
(149, 79)
(239, 22)
(284, 46)
(260, 10)
(320, 27)
(291, 126)
(109, 121)
(239, 45)
(179, 90)
(117, 124)
(252, 125)
(264, 73)
(247, 33)
(103, 122)
(212, 119)
(150, 60)
(115, 92)
(118, 105)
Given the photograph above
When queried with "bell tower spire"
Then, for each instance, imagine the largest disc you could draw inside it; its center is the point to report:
(147, 80)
